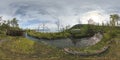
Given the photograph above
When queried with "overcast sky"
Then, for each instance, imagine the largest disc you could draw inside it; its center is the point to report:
(32, 13)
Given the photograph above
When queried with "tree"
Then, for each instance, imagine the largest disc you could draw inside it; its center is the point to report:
(14, 22)
(114, 18)
(53, 15)
(43, 26)
(0, 20)
(58, 24)
(8, 22)
(79, 21)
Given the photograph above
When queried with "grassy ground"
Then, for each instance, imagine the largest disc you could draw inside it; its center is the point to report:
(20, 48)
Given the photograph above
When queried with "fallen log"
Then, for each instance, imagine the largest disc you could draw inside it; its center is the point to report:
(98, 52)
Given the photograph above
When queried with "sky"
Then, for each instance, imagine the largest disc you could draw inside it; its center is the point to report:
(33, 13)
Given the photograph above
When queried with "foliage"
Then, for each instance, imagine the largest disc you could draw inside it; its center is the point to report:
(14, 22)
(20, 48)
(114, 19)
(9, 24)
(84, 30)
(38, 51)
(48, 36)
(77, 31)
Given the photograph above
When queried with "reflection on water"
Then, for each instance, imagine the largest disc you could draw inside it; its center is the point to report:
(62, 43)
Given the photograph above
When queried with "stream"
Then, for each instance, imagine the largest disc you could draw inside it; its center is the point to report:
(64, 43)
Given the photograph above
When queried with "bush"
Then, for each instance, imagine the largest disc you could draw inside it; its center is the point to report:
(49, 36)
(2, 32)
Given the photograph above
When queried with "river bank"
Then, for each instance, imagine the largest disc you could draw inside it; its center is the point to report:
(68, 42)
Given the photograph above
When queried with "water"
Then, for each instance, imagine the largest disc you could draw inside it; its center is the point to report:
(63, 43)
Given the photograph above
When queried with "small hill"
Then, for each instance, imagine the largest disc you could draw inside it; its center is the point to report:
(83, 30)
(79, 26)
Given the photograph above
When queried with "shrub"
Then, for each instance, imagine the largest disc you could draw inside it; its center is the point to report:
(49, 36)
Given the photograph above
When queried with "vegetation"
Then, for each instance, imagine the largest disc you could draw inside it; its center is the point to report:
(77, 31)
(20, 48)
(9, 24)
(114, 18)
(49, 36)
(17, 44)
(85, 30)
(10, 27)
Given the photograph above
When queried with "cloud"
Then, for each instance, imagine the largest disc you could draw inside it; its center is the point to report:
(31, 13)
(98, 16)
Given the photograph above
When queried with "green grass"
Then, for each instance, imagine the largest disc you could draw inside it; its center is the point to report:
(49, 36)
(20, 48)
(17, 44)
(29, 50)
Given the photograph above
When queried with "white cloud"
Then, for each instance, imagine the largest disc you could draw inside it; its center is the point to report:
(68, 11)
(98, 16)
